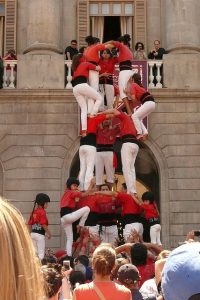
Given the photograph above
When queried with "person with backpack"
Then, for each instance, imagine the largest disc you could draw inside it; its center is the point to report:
(38, 224)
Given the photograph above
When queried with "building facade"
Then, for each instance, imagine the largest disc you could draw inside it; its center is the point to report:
(39, 118)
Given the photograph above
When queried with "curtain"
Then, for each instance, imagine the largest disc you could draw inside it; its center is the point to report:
(126, 24)
(97, 26)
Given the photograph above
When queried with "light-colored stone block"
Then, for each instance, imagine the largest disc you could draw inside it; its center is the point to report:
(37, 71)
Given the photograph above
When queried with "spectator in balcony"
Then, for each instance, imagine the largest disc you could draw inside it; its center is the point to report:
(71, 50)
(11, 55)
(157, 53)
(139, 53)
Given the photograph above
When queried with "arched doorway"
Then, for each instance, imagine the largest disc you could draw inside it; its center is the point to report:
(146, 170)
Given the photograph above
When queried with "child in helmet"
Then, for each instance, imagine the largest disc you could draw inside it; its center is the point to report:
(38, 224)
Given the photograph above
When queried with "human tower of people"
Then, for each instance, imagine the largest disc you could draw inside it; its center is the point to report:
(98, 207)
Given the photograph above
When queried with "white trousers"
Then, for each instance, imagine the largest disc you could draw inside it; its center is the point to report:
(87, 155)
(93, 230)
(82, 92)
(94, 83)
(39, 244)
(130, 227)
(109, 234)
(108, 91)
(143, 111)
(104, 159)
(155, 234)
(123, 79)
(67, 221)
(129, 152)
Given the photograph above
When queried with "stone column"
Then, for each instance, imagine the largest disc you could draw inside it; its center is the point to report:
(182, 63)
(42, 65)
(153, 23)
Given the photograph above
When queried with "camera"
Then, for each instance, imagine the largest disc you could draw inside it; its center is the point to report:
(197, 233)
(66, 264)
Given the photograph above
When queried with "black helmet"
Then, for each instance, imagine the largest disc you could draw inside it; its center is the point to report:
(72, 180)
(42, 198)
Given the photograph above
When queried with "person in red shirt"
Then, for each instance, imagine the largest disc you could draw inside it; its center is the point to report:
(87, 150)
(106, 136)
(91, 54)
(107, 64)
(108, 208)
(69, 213)
(125, 59)
(152, 215)
(130, 213)
(38, 224)
(129, 149)
(82, 91)
(139, 94)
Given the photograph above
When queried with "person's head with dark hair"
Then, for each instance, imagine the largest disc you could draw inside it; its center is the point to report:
(76, 60)
(124, 187)
(136, 77)
(72, 183)
(74, 43)
(82, 49)
(96, 40)
(125, 39)
(83, 259)
(52, 280)
(106, 54)
(90, 40)
(67, 257)
(76, 277)
(139, 46)
(104, 187)
(138, 254)
(49, 259)
(148, 196)
(195, 297)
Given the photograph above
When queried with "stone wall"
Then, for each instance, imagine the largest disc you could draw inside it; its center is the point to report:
(39, 139)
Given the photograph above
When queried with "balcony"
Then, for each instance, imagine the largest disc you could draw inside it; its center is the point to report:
(151, 70)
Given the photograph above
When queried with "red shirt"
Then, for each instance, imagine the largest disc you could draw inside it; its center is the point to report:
(127, 125)
(108, 65)
(107, 135)
(149, 211)
(124, 52)
(38, 217)
(106, 201)
(89, 201)
(68, 199)
(91, 53)
(83, 69)
(146, 271)
(92, 123)
(129, 206)
(137, 91)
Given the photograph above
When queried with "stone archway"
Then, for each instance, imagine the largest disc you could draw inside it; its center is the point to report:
(151, 171)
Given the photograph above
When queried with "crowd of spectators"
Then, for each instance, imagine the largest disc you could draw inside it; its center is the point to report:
(110, 273)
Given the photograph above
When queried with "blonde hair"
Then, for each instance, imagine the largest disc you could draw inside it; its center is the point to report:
(20, 276)
(103, 259)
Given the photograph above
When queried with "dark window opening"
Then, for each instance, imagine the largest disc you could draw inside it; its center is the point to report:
(112, 30)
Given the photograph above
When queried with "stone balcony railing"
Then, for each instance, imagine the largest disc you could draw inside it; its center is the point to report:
(154, 74)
